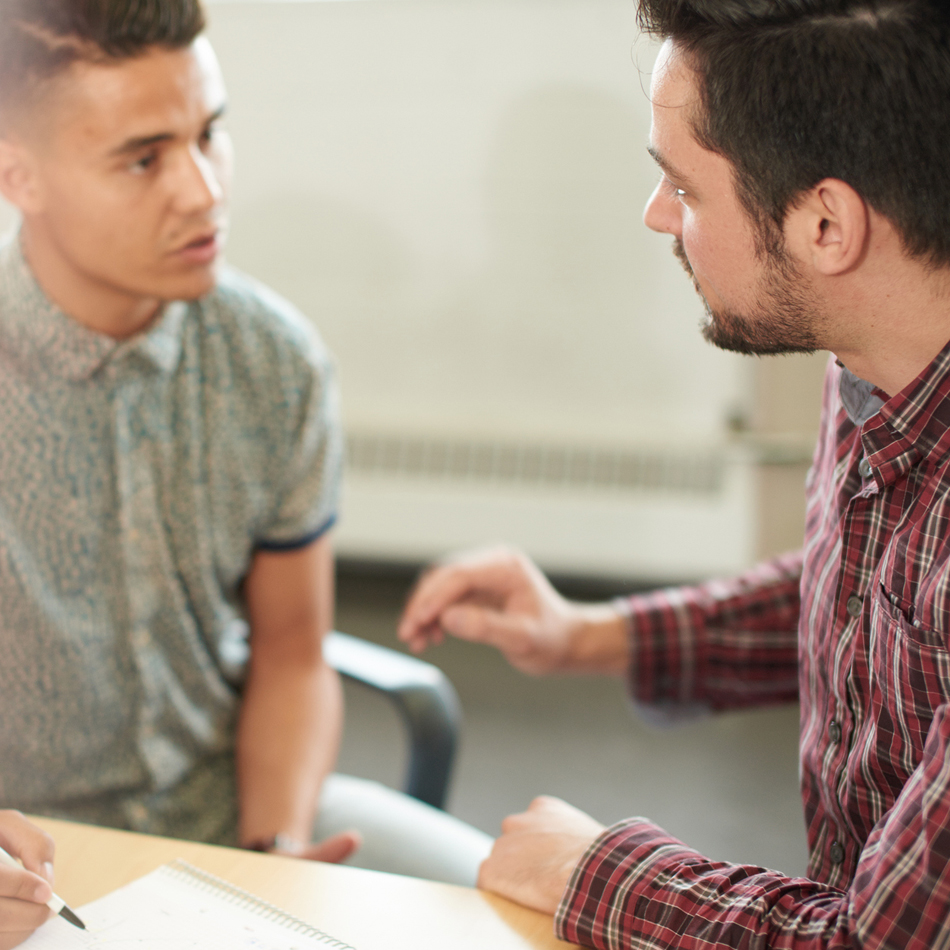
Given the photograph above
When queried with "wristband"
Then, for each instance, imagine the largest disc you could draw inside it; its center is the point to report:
(279, 842)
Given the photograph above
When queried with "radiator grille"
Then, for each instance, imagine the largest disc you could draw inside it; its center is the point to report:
(524, 464)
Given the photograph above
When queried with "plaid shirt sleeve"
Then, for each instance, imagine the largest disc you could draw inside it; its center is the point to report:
(723, 645)
(638, 887)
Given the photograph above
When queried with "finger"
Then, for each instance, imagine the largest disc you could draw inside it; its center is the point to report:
(540, 812)
(430, 636)
(17, 916)
(336, 848)
(484, 880)
(551, 803)
(436, 590)
(489, 626)
(23, 885)
(493, 572)
(423, 635)
(33, 846)
(524, 820)
(511, 824)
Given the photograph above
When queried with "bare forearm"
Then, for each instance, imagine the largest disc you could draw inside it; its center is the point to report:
(288, 737)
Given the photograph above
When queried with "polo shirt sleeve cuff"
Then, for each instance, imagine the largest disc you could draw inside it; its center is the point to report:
(296, 543)
(611, 884)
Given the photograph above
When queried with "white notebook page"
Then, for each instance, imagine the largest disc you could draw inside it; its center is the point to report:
(178, 907)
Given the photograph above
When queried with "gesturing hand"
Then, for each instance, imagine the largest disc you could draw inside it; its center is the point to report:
(499, 597)
(24, 892)
(532, 861)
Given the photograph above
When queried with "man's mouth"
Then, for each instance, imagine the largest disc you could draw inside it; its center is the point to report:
(679, 252)
(201, 249)
(204, 240)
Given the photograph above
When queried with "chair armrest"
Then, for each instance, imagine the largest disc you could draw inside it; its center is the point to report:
(425, 698)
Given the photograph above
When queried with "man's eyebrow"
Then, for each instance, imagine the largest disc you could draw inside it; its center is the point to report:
(668, 169)
(139, 142)
(129, 146)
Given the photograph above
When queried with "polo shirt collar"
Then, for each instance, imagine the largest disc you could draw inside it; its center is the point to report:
(160, 344)
(37, 334)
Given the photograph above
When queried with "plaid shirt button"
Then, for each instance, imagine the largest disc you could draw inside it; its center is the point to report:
(854, 605)
(864, 468)
(834, 732)
(836, 853)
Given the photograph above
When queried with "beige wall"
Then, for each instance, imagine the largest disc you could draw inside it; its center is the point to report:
(453, 192)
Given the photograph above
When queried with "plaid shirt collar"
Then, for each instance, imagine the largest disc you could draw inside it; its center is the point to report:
(41, 338)
(898, 432)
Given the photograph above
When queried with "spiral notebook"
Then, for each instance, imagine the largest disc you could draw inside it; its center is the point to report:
(180, 907)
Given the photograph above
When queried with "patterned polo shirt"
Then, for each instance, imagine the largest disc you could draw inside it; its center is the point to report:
(859, 627)
(137, 480)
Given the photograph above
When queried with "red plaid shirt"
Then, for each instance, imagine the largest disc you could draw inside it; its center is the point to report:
(859, 627)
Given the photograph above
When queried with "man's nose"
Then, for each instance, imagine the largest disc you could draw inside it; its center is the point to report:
(662, 212)
(199, 187)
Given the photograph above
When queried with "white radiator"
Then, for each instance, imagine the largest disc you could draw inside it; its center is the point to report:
(658, 515)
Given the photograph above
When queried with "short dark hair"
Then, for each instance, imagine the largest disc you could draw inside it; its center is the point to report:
(794, 91)
(39, 39)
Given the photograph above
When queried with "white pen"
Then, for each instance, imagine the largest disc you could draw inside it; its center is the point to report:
(56, 904)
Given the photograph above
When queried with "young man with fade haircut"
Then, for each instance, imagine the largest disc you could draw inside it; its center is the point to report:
(803, 147)
(170, 455)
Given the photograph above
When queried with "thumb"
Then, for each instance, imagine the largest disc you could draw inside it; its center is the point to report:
(486, 625)
(334, 849)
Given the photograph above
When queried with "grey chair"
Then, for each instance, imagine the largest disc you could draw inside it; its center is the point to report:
(424, 698)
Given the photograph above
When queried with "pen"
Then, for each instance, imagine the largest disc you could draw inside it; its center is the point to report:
(56, 904)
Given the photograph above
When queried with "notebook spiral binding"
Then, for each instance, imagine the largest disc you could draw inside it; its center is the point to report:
(236, 895)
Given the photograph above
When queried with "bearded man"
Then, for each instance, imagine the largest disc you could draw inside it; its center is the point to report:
(802, 145)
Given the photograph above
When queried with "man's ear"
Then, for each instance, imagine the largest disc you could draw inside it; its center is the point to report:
(19, 182)
(830, 227)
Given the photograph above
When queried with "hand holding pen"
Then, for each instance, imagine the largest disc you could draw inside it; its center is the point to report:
(26, 893)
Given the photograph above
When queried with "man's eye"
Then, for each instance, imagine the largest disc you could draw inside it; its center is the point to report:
(676, 192)
(144, 163)
(207, 136)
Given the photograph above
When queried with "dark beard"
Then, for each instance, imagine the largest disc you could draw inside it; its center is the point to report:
(784, 322)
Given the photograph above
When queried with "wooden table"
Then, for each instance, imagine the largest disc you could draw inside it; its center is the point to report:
(369, 910)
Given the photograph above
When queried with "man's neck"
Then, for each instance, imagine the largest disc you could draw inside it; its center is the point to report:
(901, 321)
(92, 303)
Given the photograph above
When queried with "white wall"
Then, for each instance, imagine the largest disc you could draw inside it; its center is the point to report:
(452, 190)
